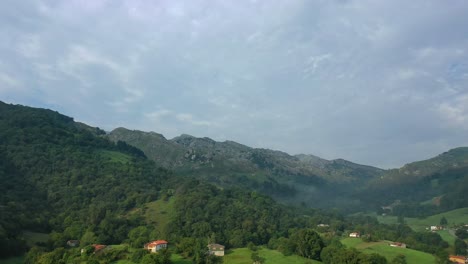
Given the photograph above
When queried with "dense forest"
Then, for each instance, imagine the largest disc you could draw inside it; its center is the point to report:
(68, 180)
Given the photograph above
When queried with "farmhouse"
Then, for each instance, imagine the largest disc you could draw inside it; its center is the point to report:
(354, 234)
(436, 228)
(398, 244)
(97, 248)
(458, 259)
(155, 245)
(73, 243)
(216, 249)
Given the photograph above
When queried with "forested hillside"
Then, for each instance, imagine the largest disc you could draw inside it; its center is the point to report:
(422, 188)
(60, 177)
(67, 181)
(289, 179)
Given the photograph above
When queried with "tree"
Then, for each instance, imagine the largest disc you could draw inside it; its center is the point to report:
(375, 259)
(400, 259)
(443, 221)
(138, 255)
(252, 246)
(256, 258)
(460, 247)
(88, 238)
(308, 243)
(461, 233)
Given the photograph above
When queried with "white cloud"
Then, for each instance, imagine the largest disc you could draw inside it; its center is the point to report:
(7, 82)
(30, 46)
(325, 77)
(456, 111)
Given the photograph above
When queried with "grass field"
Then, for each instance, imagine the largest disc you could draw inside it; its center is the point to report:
(454, 217)
(159, 213)
(175, 258)
(382, 248)
(242, 256)
(178, 259)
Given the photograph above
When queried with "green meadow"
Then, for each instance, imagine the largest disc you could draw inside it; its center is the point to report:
(382, 248)
(454, 217)
(243, 256)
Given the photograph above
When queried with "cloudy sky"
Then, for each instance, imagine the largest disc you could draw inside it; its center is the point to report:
(376, 82)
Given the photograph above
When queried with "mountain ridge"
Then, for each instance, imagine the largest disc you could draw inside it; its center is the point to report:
(276, 173)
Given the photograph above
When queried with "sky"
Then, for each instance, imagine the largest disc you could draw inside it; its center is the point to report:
(382, 83)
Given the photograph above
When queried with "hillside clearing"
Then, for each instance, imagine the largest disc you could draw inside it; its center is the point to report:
(382, 248)
(243, 256)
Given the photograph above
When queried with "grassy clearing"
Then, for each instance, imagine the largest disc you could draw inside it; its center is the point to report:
(175, 258)
(178, 259)
(115, 156)
(242, 256)
(454, 217)
(32, 238)
(382, 248)
(351, 242)
(160, 213)
(445, 234)
(15, 260)
(412, 256)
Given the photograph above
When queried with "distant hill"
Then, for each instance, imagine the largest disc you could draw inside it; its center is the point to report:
(299, 178)
(442, 179)
(70, 181)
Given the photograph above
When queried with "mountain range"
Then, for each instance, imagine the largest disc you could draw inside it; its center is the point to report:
(297, 179)
(71, 180)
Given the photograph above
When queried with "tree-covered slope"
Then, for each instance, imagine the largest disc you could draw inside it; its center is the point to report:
(59, 176)
(442, 179)
(69, 180)
(295, 179)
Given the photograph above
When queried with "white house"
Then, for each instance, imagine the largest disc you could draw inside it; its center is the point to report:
(354, 234)
(216, 249)
(156, 245)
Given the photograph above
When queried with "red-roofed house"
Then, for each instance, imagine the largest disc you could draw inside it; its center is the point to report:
(156, 245)
(458, 259)
(98, 247)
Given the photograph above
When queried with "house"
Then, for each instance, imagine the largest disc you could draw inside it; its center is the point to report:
(458, 259)
(398, 244)
(436, 228)
(155, 245)
(354, 234)
(323, 225)
(73, 243)
(216, 249)
(98, 247)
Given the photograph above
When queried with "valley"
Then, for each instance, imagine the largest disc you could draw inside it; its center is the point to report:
(97, 197)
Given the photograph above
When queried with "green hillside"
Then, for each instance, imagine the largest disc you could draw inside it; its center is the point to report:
(383, 248)
(292, 179)
(422, 188)
(243, 256)
(82, 186)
